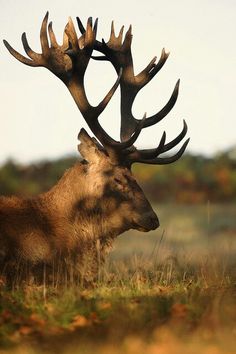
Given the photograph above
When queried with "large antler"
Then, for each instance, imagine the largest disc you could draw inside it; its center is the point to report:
(119, 53)
(69, 62)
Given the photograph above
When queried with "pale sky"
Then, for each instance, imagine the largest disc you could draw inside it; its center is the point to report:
(39, 117)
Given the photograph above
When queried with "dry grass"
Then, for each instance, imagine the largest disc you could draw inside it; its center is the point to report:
(168, 292)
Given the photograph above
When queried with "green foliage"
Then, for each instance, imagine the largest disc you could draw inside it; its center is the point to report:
(192, 179)
(32, 179)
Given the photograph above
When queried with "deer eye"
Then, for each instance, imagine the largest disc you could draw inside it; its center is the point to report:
(118, 181)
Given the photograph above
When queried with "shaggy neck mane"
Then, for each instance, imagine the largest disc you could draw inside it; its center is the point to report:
(68, 199)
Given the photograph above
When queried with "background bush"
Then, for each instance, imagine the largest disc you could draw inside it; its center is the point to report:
(192, 179)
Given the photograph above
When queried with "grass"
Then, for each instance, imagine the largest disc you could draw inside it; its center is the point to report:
(167, 291)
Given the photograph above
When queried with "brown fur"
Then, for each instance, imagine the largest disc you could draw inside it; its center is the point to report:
(99, 198)
(95, 201)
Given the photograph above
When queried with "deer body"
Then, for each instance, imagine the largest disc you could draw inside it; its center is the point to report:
(88, 207)
(97, 199)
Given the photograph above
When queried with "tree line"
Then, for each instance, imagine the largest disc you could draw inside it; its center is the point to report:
(192, 179)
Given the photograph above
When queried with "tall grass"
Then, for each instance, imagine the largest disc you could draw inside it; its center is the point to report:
(170, 291)
(136, 305)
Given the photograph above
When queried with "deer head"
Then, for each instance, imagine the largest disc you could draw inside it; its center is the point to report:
(112, 196)
(108, 161)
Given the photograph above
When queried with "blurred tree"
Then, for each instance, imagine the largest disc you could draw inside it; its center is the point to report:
(192, 179)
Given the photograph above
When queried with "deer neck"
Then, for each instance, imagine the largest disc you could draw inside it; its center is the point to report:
(67, 192)
(77, 201)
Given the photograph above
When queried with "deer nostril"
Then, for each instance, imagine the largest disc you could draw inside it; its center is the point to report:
(154, 221)
(147, 222)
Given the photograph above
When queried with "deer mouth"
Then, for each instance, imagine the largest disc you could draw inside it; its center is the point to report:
(142, 229)
(151, 223)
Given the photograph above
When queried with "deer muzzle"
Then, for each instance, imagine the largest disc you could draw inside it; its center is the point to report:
(147, 222)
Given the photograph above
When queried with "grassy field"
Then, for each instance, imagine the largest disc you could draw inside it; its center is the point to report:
(168, 291)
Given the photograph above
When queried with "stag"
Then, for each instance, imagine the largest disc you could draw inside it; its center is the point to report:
(98, 198)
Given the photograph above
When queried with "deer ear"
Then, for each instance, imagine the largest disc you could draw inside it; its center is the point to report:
(89, 148)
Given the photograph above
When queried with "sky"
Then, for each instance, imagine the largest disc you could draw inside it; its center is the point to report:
(39, 119)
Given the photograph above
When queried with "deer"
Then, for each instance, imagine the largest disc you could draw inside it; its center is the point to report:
(98, 198)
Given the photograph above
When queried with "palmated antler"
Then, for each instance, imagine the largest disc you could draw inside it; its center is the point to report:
(69, 62)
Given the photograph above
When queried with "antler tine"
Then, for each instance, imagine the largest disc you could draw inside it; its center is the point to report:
(34, 56)
(135, 155)
(95, 27)
(120, 36)
(128, 143)
(36, 59)
(126, 46)
(65, 44)
(150, 66)
(52, 36)
(177, 140)
(163, 160)
(112, 35)
(44, 36)
(72, 36)
(148, 154)
(102, 105)
(89, 34)
(159, 65)
(80, 25)
(166, 109)
(152, 69)
(90, 22)
(162, 147)
(19, 56)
